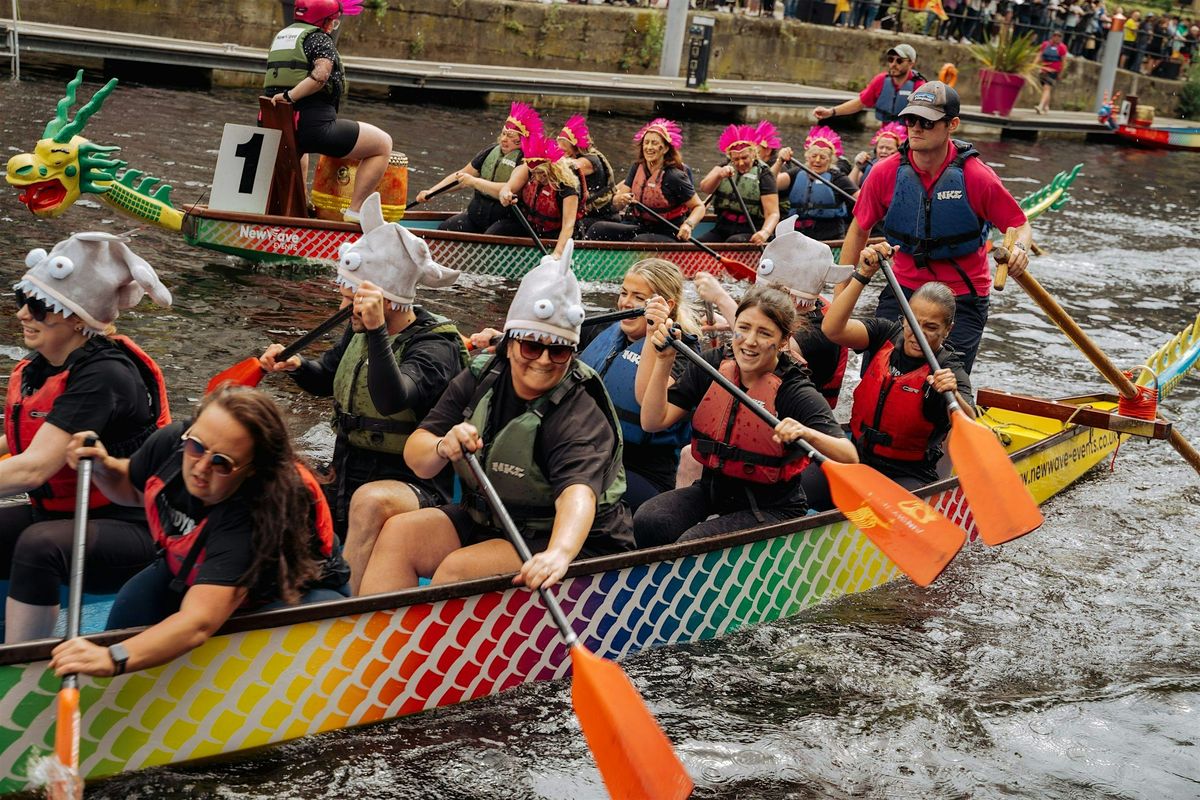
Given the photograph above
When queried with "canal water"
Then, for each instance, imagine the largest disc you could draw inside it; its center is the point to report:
(1062, 665)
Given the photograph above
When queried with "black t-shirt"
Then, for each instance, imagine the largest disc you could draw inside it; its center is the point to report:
(797, 398)
(574, 444)
(676, 185)
(879, 333)
(228, 547)
(821, 354)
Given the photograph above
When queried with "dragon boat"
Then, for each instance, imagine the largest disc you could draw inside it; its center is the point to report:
(65, 166)
(271, 677)
(1134, 125)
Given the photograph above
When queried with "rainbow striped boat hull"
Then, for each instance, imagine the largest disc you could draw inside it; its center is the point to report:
(1161, 138)
(275, 676)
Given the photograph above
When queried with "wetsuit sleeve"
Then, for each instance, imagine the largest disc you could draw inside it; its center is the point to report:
(99, 393)
(988, 197)
(577, 444)
(315, 376)
(448, 411)
(801, 401)
(154, 451)
(429, 364)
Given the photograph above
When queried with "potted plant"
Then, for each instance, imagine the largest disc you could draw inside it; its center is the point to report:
(1006, 64)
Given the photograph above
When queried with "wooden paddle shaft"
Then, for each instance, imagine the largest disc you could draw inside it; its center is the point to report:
(1001, 254)
(849, 198)
(518, 541)
(930, 358)
(1095, 355)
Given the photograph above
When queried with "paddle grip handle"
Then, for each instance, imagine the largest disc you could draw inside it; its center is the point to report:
(1001, 256)
(739, 395)
(433, 194)
(529, 229)
(849, 198)
(325, 327)
(930, 358)
(614, 316)
(518, 541)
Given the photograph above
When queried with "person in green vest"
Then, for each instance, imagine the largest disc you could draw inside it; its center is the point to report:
(487, 173)
(743, 184)
(304, 69)
(390, 367)
(547, 436)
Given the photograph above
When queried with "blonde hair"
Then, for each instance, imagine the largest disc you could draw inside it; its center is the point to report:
(560, 173)
(666, 280)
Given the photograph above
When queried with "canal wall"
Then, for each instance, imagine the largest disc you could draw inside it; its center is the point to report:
(580, 37)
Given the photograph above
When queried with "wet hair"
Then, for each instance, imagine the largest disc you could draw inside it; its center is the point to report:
(777, 306)
(666, 280)
(941, 296)
(281, 513)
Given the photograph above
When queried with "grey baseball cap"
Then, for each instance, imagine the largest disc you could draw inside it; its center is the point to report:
(904, 51)
(934, 100)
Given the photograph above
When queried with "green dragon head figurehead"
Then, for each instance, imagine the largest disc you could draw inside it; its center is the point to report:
(65, 165)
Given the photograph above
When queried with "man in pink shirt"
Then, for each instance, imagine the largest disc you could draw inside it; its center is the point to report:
(887, 92)
(935, 199)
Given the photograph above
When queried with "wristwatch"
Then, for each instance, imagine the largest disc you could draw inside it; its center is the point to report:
(120, 657)
(858, 276)
(287, 95)
(1020, 245)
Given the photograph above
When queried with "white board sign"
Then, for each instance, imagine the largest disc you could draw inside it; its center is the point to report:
(245, 163)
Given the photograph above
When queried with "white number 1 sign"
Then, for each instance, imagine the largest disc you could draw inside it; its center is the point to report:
(245, 163)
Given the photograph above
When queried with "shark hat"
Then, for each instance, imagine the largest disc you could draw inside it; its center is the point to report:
(799, 265)
(548, 303)
(391, 257)
(92, 276)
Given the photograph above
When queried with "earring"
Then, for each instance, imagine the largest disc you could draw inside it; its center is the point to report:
(79, 329)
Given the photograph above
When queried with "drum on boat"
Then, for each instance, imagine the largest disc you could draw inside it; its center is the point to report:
(334, 183)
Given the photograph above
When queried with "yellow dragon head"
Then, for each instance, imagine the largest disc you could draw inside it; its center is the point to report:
(63, 164)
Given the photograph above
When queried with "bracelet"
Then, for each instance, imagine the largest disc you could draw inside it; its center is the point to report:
(437, 449)
(287, 95)
(858, 276)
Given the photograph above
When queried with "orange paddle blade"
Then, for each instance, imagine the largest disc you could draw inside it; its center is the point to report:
(909, 531)
(247, 372)
(633, 754)
(1000, 502)
(65, 782)
(739, 271)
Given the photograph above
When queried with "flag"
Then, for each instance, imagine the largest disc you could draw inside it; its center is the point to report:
(936, 7)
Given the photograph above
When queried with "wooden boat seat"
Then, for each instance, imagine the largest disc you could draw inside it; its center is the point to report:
(287, 198)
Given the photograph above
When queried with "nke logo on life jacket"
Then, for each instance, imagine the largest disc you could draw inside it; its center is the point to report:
(955, 194)
(634, 357)
(508, 469)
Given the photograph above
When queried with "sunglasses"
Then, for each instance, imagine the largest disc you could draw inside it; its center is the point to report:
(896, 59)
(532, 351)
(926, 124)
(37, 307)
(220, 463)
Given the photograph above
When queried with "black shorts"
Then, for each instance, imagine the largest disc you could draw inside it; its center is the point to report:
(471, 532)
(1048, 78)
(320, 131)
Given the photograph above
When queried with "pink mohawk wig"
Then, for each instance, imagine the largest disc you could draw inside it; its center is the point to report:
(896, 130)
(826, 137)
(524, 120)
(575, 131)
(663, 127)
(736, 137)
(537, 149)
(765, 135)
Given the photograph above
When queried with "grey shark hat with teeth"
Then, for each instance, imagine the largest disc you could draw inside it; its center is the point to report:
(391, 257)
(92, 276)
(798, 264)
(548, 304)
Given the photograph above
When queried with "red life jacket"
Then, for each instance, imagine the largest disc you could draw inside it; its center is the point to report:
(888, 418)
(25, 415)
(185, 552)
(651, 195)
(832, 388)
(736, 443)
(541, 204)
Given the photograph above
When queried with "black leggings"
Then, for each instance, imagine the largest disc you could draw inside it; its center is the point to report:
(630, 232)
(680, 516)
(513, 227)
(36, 555)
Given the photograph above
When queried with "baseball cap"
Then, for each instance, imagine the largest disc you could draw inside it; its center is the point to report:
(934, 100)
(904, 51)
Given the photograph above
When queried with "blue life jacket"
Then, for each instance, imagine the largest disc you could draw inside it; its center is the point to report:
(939, 225)
(616, 359)
(892, 100)
(866, 170)
(811, 199)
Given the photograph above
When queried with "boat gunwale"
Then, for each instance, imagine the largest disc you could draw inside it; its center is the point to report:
(39, 650)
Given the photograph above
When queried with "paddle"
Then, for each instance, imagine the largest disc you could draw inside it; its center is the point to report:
(1001, 254)
(849, 198)
(249, 372)
(598, 319)
(66, 726)
(529, 229)
(913, 534)
(451, 185)
(1095, 355)
(714, 339)
(633, 754)
(1002, 506)
(736, 269)
(741, 202)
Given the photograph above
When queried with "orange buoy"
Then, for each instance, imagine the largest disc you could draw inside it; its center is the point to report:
(334, 184)
(948, 74)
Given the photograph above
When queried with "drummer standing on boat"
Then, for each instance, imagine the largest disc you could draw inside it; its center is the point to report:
(936, 198)
(392, 364)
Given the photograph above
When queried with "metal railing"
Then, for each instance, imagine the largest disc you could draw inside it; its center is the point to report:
(12, 43)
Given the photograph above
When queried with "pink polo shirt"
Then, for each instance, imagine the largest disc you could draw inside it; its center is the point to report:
(988, 199)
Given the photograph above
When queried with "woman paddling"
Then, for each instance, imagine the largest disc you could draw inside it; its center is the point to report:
(599, 178)
(750, 476)
(823, 213)
(660, 181)
(304, 68)
(743, 184)
(547, 436)
(80, 376)
(240, 522)
(546, 190)
(487, 173)
(885, 142)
